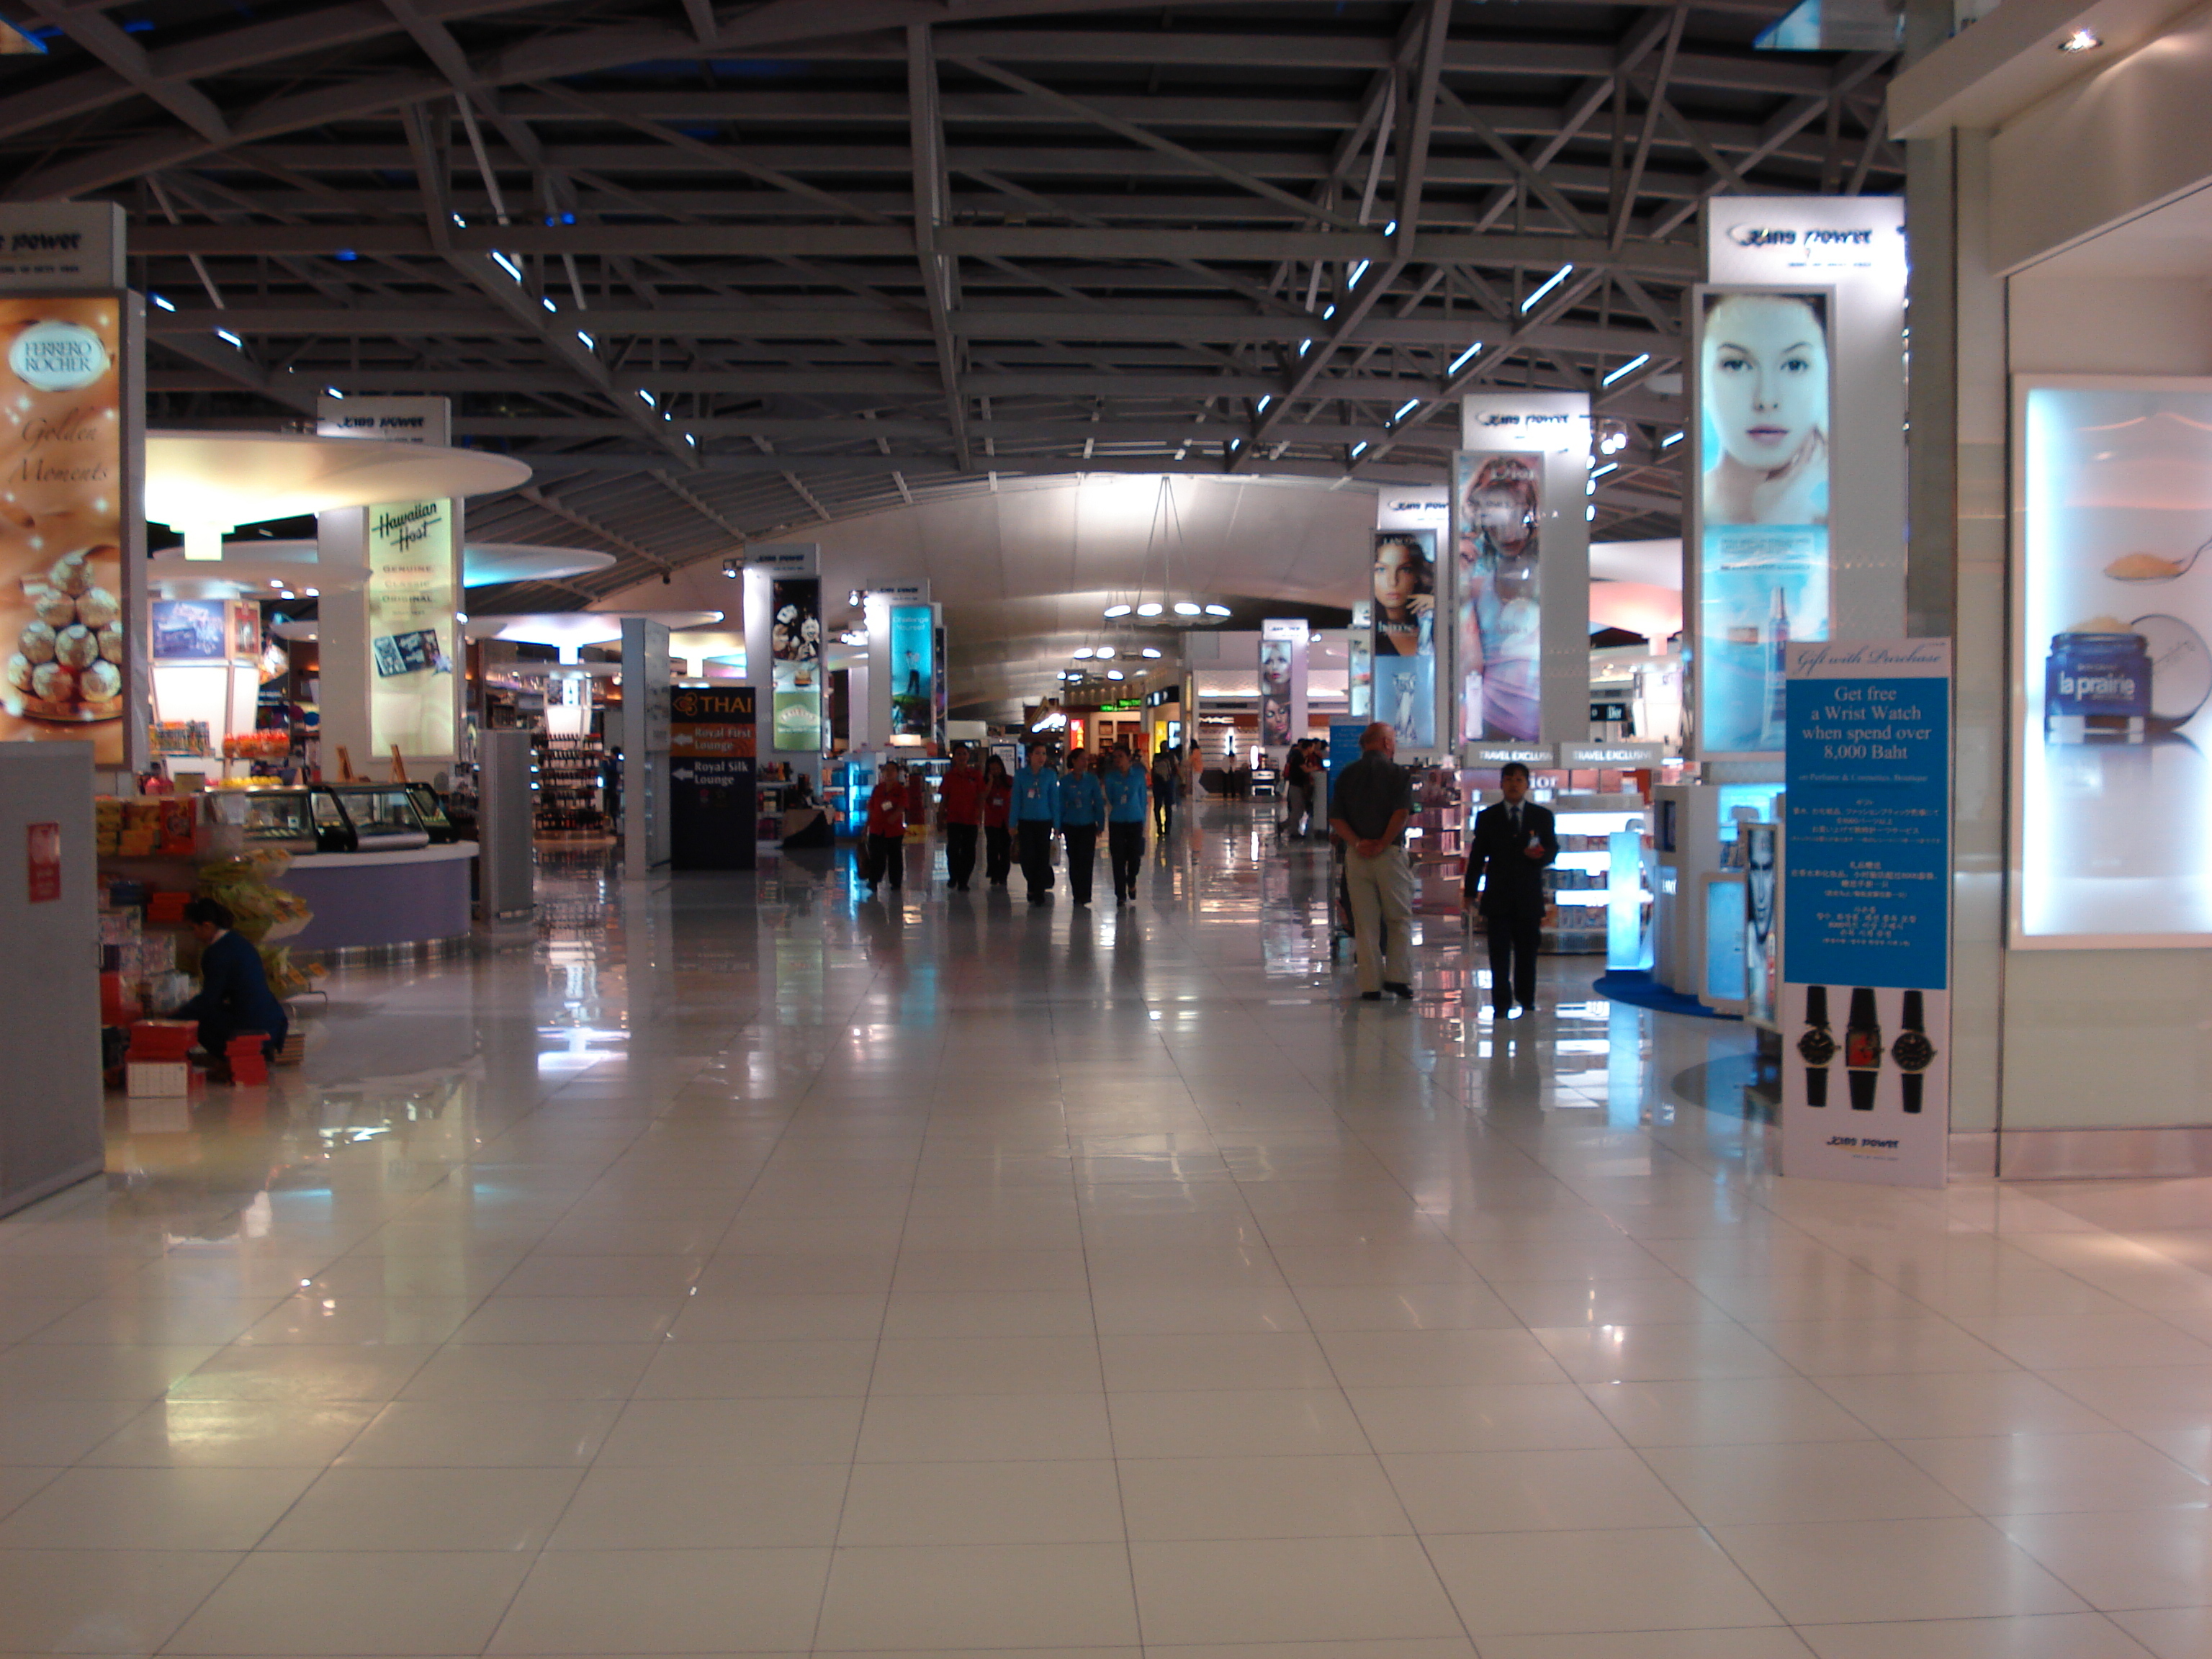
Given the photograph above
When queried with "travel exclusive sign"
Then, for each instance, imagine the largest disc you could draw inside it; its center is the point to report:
(1866, 926)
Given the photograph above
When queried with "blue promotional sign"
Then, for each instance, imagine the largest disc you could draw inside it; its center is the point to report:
(913, 671)
(1866, 912)
(1868, 759)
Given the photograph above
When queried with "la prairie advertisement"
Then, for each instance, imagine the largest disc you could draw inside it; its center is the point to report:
(2113, 595)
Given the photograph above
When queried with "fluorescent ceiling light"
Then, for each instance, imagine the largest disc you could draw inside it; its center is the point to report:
(1610, 466)
(507, 265)
(1358, 271)
(1261, 407)
(1550, 282)
(1390, 229)
(1358, 448)
(166, 305)
(1463, 359)
(589, 342)
(1670, 440)
(645, 397)
(1628, 367)
(228, 339)
(546, 299)
(332, 392)
(1405, 409)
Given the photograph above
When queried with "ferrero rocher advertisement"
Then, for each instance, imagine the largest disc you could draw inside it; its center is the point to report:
(61, 522)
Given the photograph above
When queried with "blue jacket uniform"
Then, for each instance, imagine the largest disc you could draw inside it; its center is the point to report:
(1082, 802)
(1037, 796)
(234, 994)
(1124, 796)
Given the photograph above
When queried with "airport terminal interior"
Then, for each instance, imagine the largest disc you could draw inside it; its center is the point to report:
(550, 1107)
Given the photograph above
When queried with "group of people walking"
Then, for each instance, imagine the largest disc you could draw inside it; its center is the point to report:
(1305, 773)
(1015, 816)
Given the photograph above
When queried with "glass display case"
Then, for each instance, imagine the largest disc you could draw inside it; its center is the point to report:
(366, 817)
(428, 807)
(267, 817)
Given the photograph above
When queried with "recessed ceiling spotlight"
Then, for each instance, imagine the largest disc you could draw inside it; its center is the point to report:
(1117, 610)
(1185, 608)
(1082, 654)
(1217, 610)
(2081, 41)
(1104, 654)
(1152, 651)
(1148, 609)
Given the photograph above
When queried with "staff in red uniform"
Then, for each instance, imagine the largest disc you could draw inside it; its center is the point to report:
(962, 801)
(887, 829)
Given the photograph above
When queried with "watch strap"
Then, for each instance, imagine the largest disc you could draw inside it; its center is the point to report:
(1816, 1086)
(1912, 1082)
(1863, 1086)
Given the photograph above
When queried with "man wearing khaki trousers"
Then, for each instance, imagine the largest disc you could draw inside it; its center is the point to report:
(1367, 809)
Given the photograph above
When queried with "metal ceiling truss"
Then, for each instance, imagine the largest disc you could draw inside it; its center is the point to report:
(722, 272)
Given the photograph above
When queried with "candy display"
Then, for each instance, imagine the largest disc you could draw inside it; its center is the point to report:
(67, 663)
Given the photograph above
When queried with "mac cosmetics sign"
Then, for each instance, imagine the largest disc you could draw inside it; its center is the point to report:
(1798, 446)
(1866, 922)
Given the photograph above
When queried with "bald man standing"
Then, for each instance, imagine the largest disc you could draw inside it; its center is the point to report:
(1368, 811)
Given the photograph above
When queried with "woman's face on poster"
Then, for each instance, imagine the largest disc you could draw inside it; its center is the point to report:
(1401, 575)
(1502, 515)
(1766, 377)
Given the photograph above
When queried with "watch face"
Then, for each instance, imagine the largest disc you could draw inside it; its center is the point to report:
(1863, 1047)
(1817, 1046)
(1913, 1051)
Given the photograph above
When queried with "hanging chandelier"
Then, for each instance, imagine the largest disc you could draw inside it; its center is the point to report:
(1141, 605)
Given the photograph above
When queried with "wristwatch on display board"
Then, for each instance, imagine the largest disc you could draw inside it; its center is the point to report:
(1912, 1051)
(1818, 1046)
(1863, 1049)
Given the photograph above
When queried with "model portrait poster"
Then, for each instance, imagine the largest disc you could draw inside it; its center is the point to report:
(1275, 692)
(412, 592)
(1404, 670)
(1497, 515)
(1763, 415)
(62, 505)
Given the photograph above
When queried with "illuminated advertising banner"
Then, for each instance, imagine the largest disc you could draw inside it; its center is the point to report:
(1403, 634)
(1866, 922)
(795, 647)
(1762, 464)
(914, 673)
(62, 501)
(1519, 571)
(2113, 602)
(411, 601)
(1796, 526)
(712, 756)
(1282, 680)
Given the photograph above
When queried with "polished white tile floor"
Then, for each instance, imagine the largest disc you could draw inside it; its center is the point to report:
(746, 1270)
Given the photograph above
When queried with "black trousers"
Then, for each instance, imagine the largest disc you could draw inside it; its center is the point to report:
(887, 860)
(959, 853)
(1125, 851)
(1164, 806)
(1035, 836)
(1081, 853)
(997, 854)
(1515, 932)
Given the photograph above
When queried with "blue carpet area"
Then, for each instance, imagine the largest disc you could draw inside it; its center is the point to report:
(1636, 986)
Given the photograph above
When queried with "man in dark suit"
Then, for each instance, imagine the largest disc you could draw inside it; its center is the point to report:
(235, 995)
(1513, 841)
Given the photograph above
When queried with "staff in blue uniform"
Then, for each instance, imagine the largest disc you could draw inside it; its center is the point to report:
(234, 996)
(1124, 786)
(1037, 815)
(1082, 815)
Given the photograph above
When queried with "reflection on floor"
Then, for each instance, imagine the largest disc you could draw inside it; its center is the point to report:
(746, 1269)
